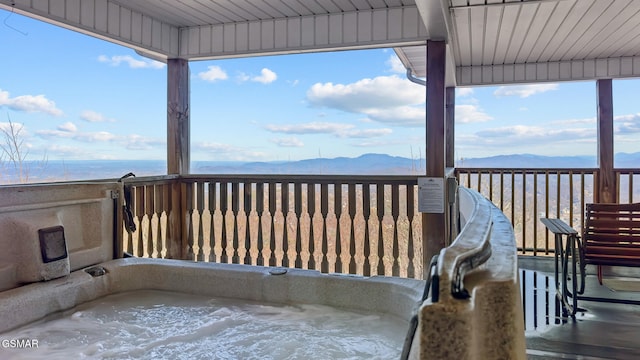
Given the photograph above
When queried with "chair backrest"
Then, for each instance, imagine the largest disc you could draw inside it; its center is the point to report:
(611, 235)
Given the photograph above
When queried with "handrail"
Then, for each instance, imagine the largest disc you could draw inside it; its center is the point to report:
(470, 249)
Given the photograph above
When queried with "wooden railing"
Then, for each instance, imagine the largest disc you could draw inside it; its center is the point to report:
(526, 195)
(364, 225)
(295, 221)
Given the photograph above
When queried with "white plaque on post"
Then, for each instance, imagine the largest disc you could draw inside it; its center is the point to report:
(431, 195)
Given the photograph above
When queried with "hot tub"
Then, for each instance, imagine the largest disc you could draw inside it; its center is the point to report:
(369, 315)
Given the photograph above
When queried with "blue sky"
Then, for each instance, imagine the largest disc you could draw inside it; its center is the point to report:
(76, 97)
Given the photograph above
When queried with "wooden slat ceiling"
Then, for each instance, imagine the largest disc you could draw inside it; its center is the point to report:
(488, 41)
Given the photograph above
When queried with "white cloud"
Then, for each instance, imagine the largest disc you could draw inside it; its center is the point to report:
(266, 76)
(310, 128)
(133, 63)
(336, 129)
(228, 152)
(463, 92)
(401, 115)
(388, 99)
(95, 136)
(628, 124)
(288, 142)
(367, 133)
(68, 127)
(17, 127)
(29, 103)
(519, 135)
(213, 74)
(242, 77)
(138, 142)
(470, 114)
(395, 65)
(524, 91)
(130, 142)
(94, 117)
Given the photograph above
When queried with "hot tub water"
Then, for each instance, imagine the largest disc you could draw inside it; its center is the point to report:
(150, 324)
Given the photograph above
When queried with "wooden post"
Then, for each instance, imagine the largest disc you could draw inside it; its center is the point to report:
(434, 225)
(450, 162)
(178, 159)
(606, 191)
(178, 140)
(450, 127)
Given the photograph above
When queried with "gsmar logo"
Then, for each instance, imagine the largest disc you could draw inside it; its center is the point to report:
(19, 343)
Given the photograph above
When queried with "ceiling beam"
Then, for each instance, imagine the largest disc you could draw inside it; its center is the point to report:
(387, 27)
(576, 70)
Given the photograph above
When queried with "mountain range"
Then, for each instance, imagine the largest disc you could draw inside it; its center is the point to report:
(368, 164)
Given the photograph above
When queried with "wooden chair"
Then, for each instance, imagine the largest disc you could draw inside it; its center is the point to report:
(610, 237)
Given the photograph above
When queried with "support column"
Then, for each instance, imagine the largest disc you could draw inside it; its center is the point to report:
(606, 191)
(178, 124)
(178, 147)
(434, 225)
(450, 127)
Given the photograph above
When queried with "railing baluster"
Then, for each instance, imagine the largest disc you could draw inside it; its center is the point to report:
(324, 210)
(524, 212)
(272, 214)
(337, 205)
(366, 211)
(490, 172)
(380, 211)
(158, 208)
(247, 212)
(631, 187)
(212, 222)
(189, 220)
(148, 211)
(297, 194)
(311, 209)
(260, 211)
(224, 207)
(395, 212)
(411, 272)
(352, 235)
(501, 190)
(535, 213)
(284, 190)
(200, 205)
(546, 208)
(235, 205)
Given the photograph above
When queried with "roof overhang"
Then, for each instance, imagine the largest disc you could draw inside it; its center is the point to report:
(213, 29)
(488, 41)
(526, 41)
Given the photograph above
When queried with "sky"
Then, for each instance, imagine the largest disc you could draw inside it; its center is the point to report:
(74, 97)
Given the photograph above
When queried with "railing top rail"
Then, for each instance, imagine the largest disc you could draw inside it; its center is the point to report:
(470, 249)
(526, 170)
(317, 179)
(151, 180)
(627, 170)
